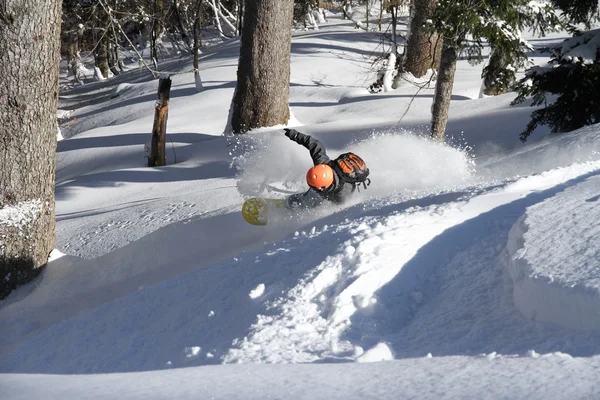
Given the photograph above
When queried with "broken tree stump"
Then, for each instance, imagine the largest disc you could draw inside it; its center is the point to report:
(157, 156)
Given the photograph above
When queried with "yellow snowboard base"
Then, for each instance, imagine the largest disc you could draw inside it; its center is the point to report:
(256, 211)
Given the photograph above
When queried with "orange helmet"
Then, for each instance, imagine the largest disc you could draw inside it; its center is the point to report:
(320, 177)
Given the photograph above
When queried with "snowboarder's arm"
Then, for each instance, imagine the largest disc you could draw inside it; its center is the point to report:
(316, 148)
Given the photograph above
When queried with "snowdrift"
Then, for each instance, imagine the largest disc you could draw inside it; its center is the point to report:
(553, 262)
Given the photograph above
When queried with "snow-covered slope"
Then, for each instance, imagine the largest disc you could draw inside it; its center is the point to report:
(470, 271)
(554, 263)
(534, 377)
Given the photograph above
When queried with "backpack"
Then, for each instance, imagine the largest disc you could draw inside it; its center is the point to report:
(352, 169)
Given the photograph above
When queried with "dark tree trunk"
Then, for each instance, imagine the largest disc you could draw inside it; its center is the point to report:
(156, 31)
(70, 47)
(103, 46)
(117, 65)
(367, 13)
(424, 46)
(240, 16)
(181, 25)
(394, 12)
(158, 140)
(102, 61)
(443, 90)
(380, 14)
(73, 60)
(263, 78)
(197, 33)
(114, 56)
(497, 77)
(29, 62)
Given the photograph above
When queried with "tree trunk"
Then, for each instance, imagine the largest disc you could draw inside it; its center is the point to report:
(156, 31)
(217, 18)
(394, 12)
(380, 14)
(225, 12)
(263, 78)
(103, 55)
(73, 60)
(29, 62)
(443, 90)
(367, 13)
(222, 17)
(197, 33)
(321, 10)
(240, 16)
(424, 47)
(113, 43)
(181, 25)
(158, 157)
(498, 76)
(114, 55)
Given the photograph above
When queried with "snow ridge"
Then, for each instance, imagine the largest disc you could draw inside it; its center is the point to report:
(549, 259)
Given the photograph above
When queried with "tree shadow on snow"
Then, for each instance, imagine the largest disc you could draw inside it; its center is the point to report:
(454, 297)
(149, 98)
(129, 139)
(190, 156)
(183, 303)
(208, 170)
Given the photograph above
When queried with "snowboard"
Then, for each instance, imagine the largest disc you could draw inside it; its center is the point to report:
(256, 210)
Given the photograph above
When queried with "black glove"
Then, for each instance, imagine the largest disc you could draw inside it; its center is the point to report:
(291, 133)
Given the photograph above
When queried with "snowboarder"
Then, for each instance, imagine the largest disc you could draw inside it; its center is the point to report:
(332, 180)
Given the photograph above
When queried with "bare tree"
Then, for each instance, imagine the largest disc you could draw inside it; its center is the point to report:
(29, 62)
(262, 92)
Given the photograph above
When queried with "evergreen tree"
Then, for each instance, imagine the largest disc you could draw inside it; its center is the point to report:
(499, 75)
(496, 22)
(578, 11)
(576, 83)
(573, 80)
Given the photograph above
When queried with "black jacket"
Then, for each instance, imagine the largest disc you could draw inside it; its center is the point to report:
(337, 193)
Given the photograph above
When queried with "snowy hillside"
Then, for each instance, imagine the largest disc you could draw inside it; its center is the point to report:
(469, 270)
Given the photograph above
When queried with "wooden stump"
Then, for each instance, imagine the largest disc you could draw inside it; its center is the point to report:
(157, 155)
